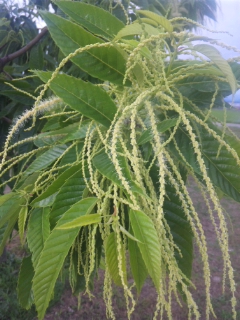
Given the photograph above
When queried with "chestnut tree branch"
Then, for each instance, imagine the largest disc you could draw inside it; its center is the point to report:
(12, 56)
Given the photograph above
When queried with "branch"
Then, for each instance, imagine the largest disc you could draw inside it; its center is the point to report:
(7, 120)
(12, 56)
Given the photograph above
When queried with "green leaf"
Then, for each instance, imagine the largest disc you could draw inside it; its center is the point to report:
(105, 166)
(21, 222)
(214, 55)
(58, 183)
(88, 99)
(180, 227)
(6, 230)
(70, 192)
(9, 206)
(95, 19)
(180, 230)
(80, 133)
(72, 155)
(144, 230)
(45, 159)
(148, 21)
(138, 268)
(112, 259)
(47, 202)
(144, 51)
(105, 63)
(54, 253)
(36, 57)
(162, 21)
(222, 170)
(27, 184)
(63, 135)
(5, 198)
(162, 127)
(82, 221)
(49, 139)
(128, 234)
(210, 70)
(18, 96)
(38, 232)
(137, 29)
(24, 287)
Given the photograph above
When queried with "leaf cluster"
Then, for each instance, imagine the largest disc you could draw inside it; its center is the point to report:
(109, 169)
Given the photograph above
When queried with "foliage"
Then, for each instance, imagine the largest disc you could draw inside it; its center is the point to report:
(9, 305)
(108, 172)
(197, 10)
(23, 49)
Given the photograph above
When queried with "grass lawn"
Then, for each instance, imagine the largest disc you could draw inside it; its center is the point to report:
(233, 115)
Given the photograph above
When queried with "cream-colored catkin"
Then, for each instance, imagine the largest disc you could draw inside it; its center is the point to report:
(43, 107)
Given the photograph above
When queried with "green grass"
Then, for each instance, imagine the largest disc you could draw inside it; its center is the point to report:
(233, 115)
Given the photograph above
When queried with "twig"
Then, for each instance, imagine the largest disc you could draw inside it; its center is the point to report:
(7, 120)
(12, 56)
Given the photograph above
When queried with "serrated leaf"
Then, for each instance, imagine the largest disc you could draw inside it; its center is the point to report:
(18, 97)
(48, 139)
(88, 99)
(68, 133)
(95, 19)
(38, 232)
(162, 21)
(36, 57)
(24, 287)
(214, 55)
(81, 131)
(27, 183)
(47, 202)
(144, 230)
(21, 222)
(70, 193)
(58, 183)
(105, 63)
(180, 229)
(211, 70)
(6, 230)
(148, 21)
(105, 166)
(222, 170)
(9, 206)
(45, 159)
(6, 201)
(72, 155)
(54, 253)
(162, 127)
(82, 221)
(112, 259)
(136, 29)
(128, 234)
(138, 268)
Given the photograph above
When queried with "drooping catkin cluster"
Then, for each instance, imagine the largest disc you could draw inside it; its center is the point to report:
(152, 98)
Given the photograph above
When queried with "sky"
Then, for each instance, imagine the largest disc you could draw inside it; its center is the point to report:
(228, 19)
